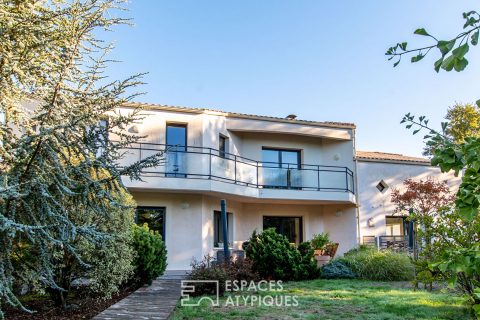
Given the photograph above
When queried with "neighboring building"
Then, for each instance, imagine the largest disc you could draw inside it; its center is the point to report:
(297, 176)
(378, 173)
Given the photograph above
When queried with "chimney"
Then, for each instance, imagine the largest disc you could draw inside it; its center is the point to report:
(291, 117)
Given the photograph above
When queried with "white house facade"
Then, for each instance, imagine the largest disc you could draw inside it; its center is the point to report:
(379, 173)
(301, 177)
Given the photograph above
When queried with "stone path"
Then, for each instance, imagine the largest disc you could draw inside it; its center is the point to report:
(156, 301)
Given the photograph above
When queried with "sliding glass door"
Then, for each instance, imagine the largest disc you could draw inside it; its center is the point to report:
(290, 227)
(281, 168)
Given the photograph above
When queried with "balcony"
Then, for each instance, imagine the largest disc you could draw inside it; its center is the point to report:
(207, 164)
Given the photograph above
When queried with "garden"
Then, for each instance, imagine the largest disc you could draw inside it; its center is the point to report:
(364, 283)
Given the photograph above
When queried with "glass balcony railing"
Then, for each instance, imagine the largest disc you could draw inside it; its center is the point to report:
(206, 163)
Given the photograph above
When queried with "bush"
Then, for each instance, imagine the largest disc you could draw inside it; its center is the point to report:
(337, 269)
(320, 240)
(208, 269)
(385, 265)
(151, 259)
(273, 257)
(307, 268)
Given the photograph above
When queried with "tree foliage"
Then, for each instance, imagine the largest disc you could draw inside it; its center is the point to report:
(55, 157)
(452, 51)
(423, 197)
(151, 258)
(452, 154)
(463, 120)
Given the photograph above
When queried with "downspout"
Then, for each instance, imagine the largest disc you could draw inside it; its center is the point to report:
(357, 189)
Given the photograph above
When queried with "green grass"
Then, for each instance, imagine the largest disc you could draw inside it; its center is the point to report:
(341, 299)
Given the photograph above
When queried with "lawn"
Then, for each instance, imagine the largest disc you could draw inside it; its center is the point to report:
(341, 299)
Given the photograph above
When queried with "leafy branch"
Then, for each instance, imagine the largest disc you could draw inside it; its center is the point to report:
(452, 51)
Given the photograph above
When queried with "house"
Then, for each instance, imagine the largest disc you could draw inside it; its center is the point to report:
(378, 173)
(297, 176)
(301, 177)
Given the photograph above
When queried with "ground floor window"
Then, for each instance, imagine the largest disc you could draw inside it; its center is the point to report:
(218, 229)
(290, 227)
(154, 217)
(394, 226)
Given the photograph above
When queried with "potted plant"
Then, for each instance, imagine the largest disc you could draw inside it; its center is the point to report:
(324, 249)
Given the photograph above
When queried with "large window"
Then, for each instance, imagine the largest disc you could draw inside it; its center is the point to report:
(176, 138)
(154, 217)
(218, 229)
(281, 168)
(290, 227)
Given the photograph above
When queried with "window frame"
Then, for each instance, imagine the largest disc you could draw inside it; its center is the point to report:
(300, 236)
(280, 160)
(177, 125)
(164, 214)
(222, 152)
(230, 223)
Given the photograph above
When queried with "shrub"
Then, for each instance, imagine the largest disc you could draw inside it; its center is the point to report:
(307, 268)
(151, 259)
(320, 240)
(208, 269)
(273, 257)
(337, 269)
(386, 265)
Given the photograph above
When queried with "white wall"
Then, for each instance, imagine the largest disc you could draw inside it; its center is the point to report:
(189, 223)
(375, 204)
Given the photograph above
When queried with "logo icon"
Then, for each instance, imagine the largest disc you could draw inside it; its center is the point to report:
(189, 286)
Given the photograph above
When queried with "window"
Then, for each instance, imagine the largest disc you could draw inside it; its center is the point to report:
(281, 168)
(382, 186)
(290, 227)
(103, 136)
(154, 217)
(394, 226)
(222, 146)
(176, 138)
(218, 229)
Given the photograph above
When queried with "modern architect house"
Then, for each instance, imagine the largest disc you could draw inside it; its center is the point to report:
(301, 177)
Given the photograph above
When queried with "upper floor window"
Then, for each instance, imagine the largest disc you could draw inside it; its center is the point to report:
(382, 186)
(281, 158)
(222, 146)
(177, 136)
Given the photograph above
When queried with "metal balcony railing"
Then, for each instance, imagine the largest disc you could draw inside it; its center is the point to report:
(207, 163)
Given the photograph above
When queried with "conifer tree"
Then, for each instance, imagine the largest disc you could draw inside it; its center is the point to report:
(54, 154)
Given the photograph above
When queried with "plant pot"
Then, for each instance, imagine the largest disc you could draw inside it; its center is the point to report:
(322, 260)
(318, 252)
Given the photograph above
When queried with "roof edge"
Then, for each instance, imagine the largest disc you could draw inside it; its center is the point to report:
(150, 106)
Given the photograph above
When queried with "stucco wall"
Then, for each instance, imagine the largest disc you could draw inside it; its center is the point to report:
(375, 204)
(189, 223)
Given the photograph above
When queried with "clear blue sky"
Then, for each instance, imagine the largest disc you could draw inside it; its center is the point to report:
(321, 60)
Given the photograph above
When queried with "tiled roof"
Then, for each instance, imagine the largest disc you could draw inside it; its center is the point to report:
(243, 115)
(393, 157)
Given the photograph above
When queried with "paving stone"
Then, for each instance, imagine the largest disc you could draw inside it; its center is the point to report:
(154, 302)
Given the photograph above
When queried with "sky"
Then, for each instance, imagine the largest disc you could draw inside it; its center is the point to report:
(321, 60)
